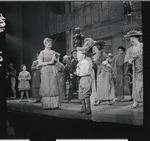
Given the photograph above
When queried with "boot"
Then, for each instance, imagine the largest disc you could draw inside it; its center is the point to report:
(88, 109)
(135, 104)
(83, 108)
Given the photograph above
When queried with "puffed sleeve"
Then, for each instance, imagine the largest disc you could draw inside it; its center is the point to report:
(127, 56)
(41, 56)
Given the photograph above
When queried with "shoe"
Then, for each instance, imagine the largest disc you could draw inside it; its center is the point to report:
(29, 100)
(97, 103)
(114, 99)
(19, 100)
(135, 105)
(110, 103)
(69, 101)
(131, 99)
(46, 108)
(88, 111)
(37, 101)
(82, 110)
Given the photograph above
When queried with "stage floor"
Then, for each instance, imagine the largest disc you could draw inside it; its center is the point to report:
(119, 112)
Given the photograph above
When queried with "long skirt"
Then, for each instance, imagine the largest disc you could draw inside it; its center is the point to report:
(49, 88)
(119, 87)
(105, 86)
(138, 87)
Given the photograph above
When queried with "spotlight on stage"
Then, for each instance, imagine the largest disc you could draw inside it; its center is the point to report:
(2, 23)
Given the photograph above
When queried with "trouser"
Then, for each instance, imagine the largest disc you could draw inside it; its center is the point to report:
(75, 84)
(70, 93)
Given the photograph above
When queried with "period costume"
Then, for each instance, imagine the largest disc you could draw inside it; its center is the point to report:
(69, 76)
(36, 80)
(24, 82)
(98, 58)
(75, 80)
(78, 38)
(61, 79)
(49, 87)
(121, 84)
(84, 71)
(105, 83)
(135, 54)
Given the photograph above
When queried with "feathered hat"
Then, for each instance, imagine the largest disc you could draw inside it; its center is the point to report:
(133, 33)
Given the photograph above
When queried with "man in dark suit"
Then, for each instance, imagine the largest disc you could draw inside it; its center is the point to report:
(74, 63)
(78, 38)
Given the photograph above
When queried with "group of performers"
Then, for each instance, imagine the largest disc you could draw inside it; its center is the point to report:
(93, 74)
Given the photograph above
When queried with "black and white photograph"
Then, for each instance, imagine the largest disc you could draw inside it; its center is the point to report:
(73, 70)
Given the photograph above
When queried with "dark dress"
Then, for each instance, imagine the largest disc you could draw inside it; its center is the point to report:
(36, 79)
(120, 76)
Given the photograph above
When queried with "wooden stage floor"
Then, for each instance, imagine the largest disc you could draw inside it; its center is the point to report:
(119, 112)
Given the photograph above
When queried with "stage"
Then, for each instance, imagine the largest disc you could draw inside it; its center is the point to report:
(67, 122)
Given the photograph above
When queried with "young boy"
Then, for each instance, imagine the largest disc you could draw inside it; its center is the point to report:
(84, 68)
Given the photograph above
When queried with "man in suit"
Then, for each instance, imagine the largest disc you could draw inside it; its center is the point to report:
(74, 63)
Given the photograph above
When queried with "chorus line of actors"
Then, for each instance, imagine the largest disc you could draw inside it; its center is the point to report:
(95, 75)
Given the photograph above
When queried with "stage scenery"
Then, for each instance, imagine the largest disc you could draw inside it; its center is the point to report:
(73, 69)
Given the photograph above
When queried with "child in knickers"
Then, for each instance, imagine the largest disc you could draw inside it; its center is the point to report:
(84, 68)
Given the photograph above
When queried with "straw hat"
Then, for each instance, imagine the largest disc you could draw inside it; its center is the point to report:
(133, 33)
(110, 54)
(77, 29)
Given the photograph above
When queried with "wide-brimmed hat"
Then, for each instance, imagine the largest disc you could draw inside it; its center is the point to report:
(66, 57)
(84, 50)
(134, 33)
(73, 51)
(77, 29)
(88, 42)
(110, 54)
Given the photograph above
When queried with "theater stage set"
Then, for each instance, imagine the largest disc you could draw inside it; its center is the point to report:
(30, 121)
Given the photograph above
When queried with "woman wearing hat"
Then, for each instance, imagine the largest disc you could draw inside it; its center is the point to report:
(134, 56)
(120, 71)
(104, 73)
(49, 87)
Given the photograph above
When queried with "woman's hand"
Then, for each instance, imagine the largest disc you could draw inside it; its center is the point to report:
(130, 61)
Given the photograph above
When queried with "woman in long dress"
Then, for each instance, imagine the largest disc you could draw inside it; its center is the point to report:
(134, 56)
(119, 67)
(105, 82)
(49, 87)
(98, 58)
